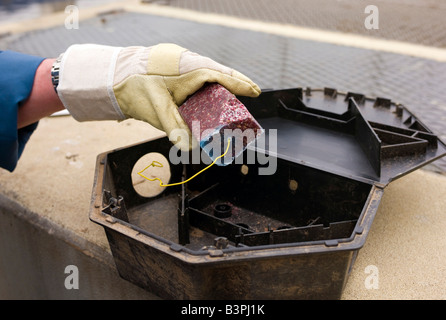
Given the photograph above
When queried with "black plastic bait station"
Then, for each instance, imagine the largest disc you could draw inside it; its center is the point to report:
(232, 233)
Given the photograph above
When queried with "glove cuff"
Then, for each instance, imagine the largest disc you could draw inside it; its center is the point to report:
(86, 82)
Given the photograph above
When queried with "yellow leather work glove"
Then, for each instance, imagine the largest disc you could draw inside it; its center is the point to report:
(99, 82)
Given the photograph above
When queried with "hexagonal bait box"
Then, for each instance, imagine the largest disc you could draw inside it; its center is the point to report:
(285, 220)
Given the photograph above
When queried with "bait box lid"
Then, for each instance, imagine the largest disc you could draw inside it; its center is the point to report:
(346, 133)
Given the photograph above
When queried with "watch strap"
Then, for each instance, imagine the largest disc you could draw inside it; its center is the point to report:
(55, 72)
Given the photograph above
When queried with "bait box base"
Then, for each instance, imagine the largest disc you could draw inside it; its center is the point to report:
(232, 233)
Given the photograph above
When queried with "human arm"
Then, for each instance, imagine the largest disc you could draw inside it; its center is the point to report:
(113, 83)
(43, 99)
(145, 83)
(17, 72)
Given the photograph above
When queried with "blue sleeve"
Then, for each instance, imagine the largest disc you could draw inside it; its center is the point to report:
(17, 72)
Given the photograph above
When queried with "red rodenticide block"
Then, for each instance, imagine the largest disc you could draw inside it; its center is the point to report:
(212, 109)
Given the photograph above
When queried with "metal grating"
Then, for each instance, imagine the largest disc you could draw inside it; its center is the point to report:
(416, 21)
(272, 61)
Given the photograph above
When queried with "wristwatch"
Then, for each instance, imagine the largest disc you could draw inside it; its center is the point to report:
(55, 72)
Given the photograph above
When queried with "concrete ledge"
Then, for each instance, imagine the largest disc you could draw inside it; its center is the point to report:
(35, 251)
(44, 215)
(44, 224)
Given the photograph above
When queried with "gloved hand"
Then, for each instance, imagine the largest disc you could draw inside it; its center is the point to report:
(99, 82)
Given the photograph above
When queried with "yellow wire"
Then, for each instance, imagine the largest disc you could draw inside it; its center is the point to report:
(158, 164)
